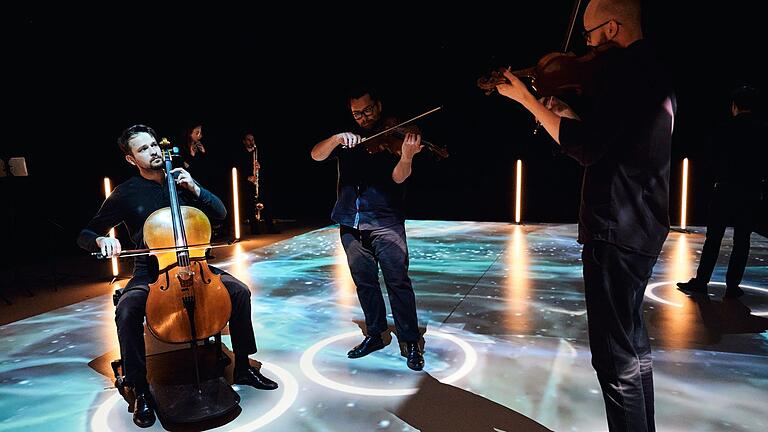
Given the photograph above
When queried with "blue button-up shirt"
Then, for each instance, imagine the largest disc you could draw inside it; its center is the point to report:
(367, 197)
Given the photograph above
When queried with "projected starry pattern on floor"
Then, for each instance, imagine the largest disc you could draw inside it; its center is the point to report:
(505, 319)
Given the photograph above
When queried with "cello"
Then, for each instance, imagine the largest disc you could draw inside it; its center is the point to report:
(187, 302)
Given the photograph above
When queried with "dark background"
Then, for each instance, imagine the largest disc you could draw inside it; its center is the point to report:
(76, 79)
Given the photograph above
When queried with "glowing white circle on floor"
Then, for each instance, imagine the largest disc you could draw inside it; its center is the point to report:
(308, 367)
(650, 294)
(288, 384)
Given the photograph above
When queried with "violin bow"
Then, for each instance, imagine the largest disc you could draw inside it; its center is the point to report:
(401, 124)
(571, 25)
(149, 251)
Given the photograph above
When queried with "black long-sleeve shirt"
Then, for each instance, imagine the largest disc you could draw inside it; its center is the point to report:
(624, 143)
(131, 203)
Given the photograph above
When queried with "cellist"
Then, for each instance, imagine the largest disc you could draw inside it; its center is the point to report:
(131, 203)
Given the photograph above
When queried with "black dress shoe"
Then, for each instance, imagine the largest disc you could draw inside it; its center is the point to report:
(733, 292)
(415, 357)
(143, 414)
(367, 346)
(252, 377)
(692, 286)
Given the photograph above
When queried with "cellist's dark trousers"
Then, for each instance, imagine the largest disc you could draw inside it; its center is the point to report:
(129, 317)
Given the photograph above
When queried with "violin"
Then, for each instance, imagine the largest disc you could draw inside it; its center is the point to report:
(558, 74)
(392, 134)
(392, 141)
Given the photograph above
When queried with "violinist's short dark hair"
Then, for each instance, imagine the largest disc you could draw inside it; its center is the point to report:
(745, 97)
(358, 90)
(131, 132)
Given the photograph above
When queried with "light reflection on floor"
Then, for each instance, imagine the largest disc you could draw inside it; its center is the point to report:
(513, 294)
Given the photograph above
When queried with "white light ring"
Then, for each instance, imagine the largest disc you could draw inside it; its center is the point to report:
(649, 293)
(307, 366)
(290, 392)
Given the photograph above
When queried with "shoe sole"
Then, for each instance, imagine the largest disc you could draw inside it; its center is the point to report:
(693, 290)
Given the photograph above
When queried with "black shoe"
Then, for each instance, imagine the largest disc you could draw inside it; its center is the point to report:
(367, 346)
(415, 356)
(692, 286)
(143, 414)
(252, 377)
(733, 292)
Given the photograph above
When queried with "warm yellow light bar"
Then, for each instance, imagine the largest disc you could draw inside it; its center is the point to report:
(684, 203)
(236, 203)
(107, 192)
(518, 190)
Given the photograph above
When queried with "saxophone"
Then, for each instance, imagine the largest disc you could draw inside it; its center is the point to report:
(259, 206)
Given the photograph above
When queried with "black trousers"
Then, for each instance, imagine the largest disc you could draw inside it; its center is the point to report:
(129, 317)
(614, 282)
(248, 208)
(730, 206)
(386, 247)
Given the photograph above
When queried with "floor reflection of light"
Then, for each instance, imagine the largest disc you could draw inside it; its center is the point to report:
(518, 285)
(346, 292)
(99, 421)
(683, 259)
(308, 367)
(650, 294)
(682, 263)
(239, 265)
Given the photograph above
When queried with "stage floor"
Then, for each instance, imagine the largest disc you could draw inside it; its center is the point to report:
(505, 321)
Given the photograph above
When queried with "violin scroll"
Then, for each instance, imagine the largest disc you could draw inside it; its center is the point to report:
(489, 83)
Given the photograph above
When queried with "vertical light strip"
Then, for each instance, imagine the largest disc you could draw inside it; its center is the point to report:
(107, 192)
(236, 203)
(684, 203)
(518, 190)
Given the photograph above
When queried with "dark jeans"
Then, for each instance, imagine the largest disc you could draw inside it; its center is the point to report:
(130, 313)
(730, 206)
(386, 247)
(614, 282)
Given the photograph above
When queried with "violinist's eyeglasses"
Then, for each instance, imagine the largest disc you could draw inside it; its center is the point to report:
(586, 33)
(367, 111)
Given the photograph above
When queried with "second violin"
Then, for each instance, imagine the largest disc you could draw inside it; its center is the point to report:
(557, 74)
